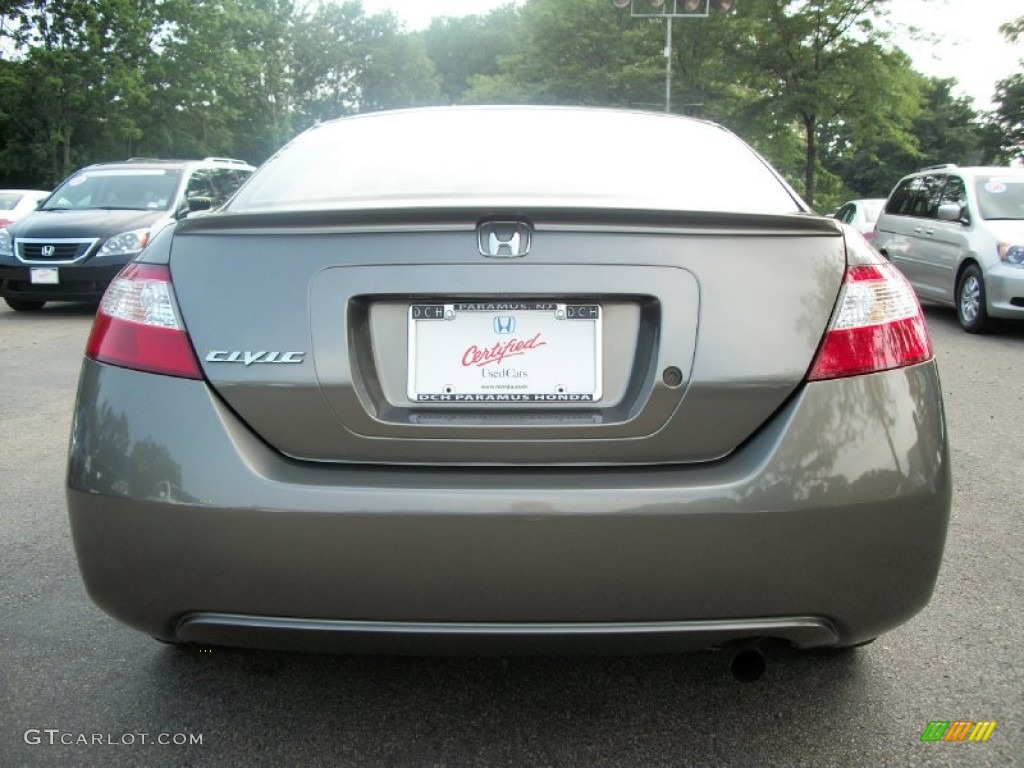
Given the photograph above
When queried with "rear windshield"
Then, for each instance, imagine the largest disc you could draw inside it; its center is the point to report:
(117, 189)
(1000, 197)
(509, 157)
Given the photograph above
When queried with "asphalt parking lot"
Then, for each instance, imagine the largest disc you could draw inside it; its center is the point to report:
(80, 689)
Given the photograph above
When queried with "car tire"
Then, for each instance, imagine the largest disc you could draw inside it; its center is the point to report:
(24, 305)
(970, 301)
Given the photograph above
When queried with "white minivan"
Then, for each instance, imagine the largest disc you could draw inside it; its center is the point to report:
(958, 236)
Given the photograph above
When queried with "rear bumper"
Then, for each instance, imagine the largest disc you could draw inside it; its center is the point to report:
(827, 528)
(450, 638)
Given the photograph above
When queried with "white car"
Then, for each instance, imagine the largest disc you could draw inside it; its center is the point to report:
(861, 215)
(958, 236)
(15, 203)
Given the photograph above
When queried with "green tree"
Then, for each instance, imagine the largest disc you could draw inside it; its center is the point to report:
(946, 129)
(705, 67)
(72, 86)
(221, 84)
(577, 52)
(395, 69)
(1008, 118)
(25, 161)
(347, 62)
(812, 84)
(470, 46)
(326, 64)
(811, 64)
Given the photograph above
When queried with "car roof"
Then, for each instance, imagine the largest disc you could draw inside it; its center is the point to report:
(970, 170)
(153, 162)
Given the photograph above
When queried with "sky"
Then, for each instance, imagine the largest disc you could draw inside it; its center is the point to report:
(967, 43)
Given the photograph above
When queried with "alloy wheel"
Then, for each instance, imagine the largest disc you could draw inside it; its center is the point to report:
(970, 298)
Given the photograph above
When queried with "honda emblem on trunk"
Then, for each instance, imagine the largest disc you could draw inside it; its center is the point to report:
(504, 239)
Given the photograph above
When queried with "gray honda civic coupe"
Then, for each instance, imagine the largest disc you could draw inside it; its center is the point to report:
(511, 379)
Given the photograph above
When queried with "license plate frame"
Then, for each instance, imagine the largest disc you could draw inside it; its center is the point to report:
(525, 353)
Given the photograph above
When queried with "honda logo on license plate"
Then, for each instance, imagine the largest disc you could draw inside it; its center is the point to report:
(504, 324)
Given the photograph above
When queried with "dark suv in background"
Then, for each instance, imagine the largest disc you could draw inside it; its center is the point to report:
(99, 218)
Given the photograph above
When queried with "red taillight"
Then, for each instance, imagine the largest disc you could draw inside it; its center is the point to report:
(878, 325)
(137, 325)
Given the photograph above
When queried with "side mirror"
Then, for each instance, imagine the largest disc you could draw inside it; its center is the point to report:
(952, 212)
(199, 204)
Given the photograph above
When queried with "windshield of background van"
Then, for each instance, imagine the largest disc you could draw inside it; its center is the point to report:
(1001, 197)
(127, 189)
(557, 157)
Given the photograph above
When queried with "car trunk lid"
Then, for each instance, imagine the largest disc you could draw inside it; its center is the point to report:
(707, 324)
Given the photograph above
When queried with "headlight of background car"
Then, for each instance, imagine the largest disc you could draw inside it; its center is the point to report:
(1011, 254)
(125, 244)
(6, 243)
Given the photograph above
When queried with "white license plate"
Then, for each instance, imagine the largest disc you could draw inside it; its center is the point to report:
(505, 352)
(44, 275)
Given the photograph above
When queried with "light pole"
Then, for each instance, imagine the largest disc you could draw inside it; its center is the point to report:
(668, 64)
(670, 10)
